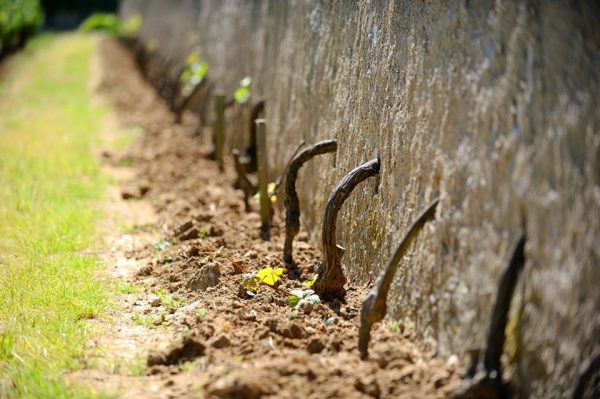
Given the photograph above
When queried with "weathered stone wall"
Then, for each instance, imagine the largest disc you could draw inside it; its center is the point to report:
(493, 105)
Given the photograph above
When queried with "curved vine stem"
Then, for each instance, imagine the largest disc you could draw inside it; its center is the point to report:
(589, 367)
(245, 184)
(331, 280)
(485, 375)
(292, 205)
(374, 306)
(183, 104)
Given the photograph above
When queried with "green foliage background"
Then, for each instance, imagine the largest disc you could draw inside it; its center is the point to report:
(18, 20)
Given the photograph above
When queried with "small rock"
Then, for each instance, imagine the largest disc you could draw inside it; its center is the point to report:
(144, 189)
(155, 302)
(188, 348)
(208, 276)
(369, 387)
(190, 234)
(183, 228)
(330, 321)
(291, 330)
(215, 231)
(315, 346)
(145, 271)
(220, 341)
(238, 384)
(127, 194)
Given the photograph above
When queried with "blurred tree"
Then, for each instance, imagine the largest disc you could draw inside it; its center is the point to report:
(68, 14)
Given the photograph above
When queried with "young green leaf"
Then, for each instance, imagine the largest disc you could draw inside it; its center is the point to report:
(270, 276)
(162, 245)
(299, 298)
(250, 283)
(311, 281)
(270, 190)
(242, 93)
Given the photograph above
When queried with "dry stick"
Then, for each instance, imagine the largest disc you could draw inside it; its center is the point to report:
(331, 280)
(506, 289)
(284, 172)
(245, 183)
(176, 88)
(485, 376)
(257, 109)
(292, 205)
(186, 101)
(262, 164)
(586, 372)
(219, 129)
(374, 306)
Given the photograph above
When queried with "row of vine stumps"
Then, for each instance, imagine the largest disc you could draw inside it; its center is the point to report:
(190, 84)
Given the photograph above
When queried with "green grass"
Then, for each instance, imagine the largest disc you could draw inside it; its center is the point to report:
(49, 183)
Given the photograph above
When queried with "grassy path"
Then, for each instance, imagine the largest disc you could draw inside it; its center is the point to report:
(49, 184)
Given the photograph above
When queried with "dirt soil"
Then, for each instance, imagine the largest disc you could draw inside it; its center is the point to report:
(198, 334)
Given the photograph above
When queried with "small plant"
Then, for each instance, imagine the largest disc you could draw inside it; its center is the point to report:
(151, 46)
(168, 301)
(271, 188)
(242, 93)
(123, 288)
(267, 276)
(200, 313)
(130, 27)
(141, 320)
(162, 245)
(299, 298)
(393, 326)
(193, 74)
(109, 22)
(311, 281)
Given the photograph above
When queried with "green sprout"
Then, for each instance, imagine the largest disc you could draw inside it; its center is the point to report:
(131, 27)
(162, 245)
(267, 275)
(311, 281)
(299, 298)
(242, 93)
(193, 74)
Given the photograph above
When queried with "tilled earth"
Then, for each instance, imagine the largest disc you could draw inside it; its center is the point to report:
(224, 343)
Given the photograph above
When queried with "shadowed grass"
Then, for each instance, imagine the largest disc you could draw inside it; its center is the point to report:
(49, 180)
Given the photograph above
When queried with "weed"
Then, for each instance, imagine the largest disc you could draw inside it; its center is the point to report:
(193, 74)
(124, 288)
(162, 245)
(393, 326)
(200, 313)
(299, 298)
(49, 182)
(125, 162)
(141, 320)
(169, 301)
(267, 276)
(242, 93)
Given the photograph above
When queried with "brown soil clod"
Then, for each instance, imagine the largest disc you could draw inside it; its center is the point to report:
(292, 205)
(207, 276)
(484, 379)
(188, 348)
(374, 306)
(331, 280)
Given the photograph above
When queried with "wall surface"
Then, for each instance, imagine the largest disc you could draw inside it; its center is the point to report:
(492, 105)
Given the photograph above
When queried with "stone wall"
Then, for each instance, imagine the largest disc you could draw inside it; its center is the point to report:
(493, 105)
